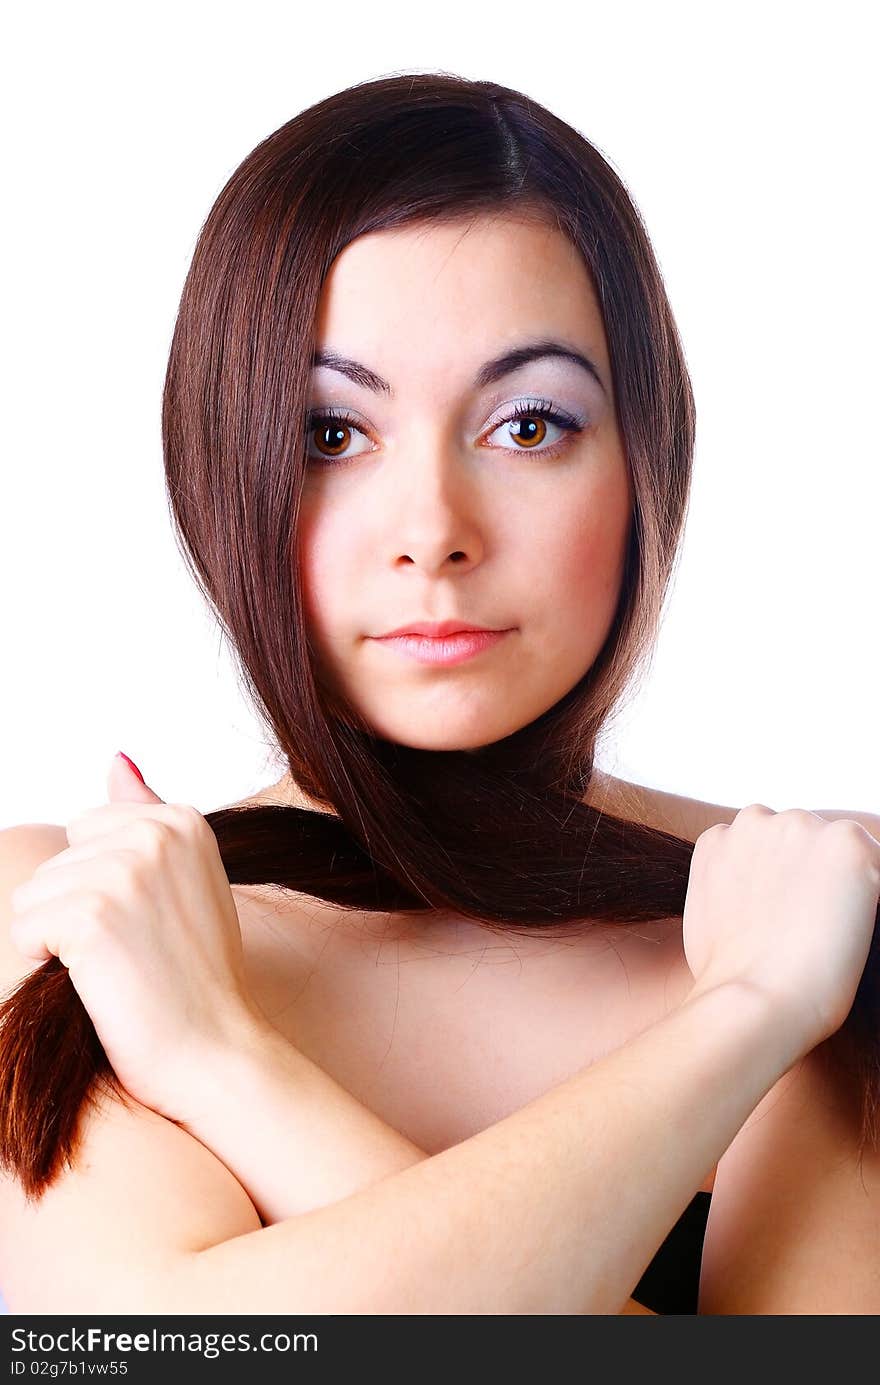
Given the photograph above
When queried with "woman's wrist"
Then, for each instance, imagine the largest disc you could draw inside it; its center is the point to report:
(784, 1021)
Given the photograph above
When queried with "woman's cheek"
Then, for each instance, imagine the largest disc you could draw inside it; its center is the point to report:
(329, 584)
(593, 551)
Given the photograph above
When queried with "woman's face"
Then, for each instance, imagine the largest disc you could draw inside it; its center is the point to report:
(429, 506)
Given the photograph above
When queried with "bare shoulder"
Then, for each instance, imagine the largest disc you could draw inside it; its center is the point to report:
(687, 817)
(27, 844)
(141, 1192)
(22, 849)
(670, 812)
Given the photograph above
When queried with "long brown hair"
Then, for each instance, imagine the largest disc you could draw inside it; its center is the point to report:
(501, 834)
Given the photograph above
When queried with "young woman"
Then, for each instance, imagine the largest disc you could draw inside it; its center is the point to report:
(425, 372)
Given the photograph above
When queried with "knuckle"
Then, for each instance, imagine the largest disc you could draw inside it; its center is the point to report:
(94, 923)
(153, 835)
(797, 820)
(130, 866)
(710, 835)
(94, 908)
(846, 827)
(754, 812)
(187, 817)
(850, 835)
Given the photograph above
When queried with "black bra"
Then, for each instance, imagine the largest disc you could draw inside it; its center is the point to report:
(671, 1283)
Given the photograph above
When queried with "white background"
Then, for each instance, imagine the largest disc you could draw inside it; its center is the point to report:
(748, 139)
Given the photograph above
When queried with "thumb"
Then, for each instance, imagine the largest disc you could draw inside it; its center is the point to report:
(125, 783)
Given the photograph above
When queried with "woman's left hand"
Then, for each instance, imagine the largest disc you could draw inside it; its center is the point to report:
(139, 910)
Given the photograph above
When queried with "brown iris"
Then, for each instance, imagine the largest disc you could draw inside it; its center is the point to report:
(338, 432)
(527, 421)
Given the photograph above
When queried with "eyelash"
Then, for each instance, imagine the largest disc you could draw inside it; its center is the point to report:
(524, 408)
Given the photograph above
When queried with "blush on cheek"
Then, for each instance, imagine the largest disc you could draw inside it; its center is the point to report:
(328, 584)
(594, 546)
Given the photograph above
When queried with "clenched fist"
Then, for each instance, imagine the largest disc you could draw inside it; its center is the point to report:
(140, 911)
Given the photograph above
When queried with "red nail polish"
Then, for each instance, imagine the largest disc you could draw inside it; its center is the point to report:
(133, 765)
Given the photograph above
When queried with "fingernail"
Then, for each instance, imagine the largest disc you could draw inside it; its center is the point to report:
(133, 765)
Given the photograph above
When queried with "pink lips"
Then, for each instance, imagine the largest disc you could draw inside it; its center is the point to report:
(434, 628)
(442, 642)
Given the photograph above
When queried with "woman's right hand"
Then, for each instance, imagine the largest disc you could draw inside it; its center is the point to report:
(786, 902)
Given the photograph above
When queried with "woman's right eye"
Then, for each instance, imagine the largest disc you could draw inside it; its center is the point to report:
(332, 432)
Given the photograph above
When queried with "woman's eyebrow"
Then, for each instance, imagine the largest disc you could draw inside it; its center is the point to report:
(488, 374)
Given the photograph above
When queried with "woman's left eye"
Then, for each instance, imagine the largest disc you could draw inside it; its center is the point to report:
(531, 417)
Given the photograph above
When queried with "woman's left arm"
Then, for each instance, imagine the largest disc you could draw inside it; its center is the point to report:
(293, 1137)
(794, 1223)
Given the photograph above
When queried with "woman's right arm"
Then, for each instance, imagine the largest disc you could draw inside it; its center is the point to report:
(558, 1208)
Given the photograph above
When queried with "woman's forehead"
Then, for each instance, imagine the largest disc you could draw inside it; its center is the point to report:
(395, 308)
(503, 273)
